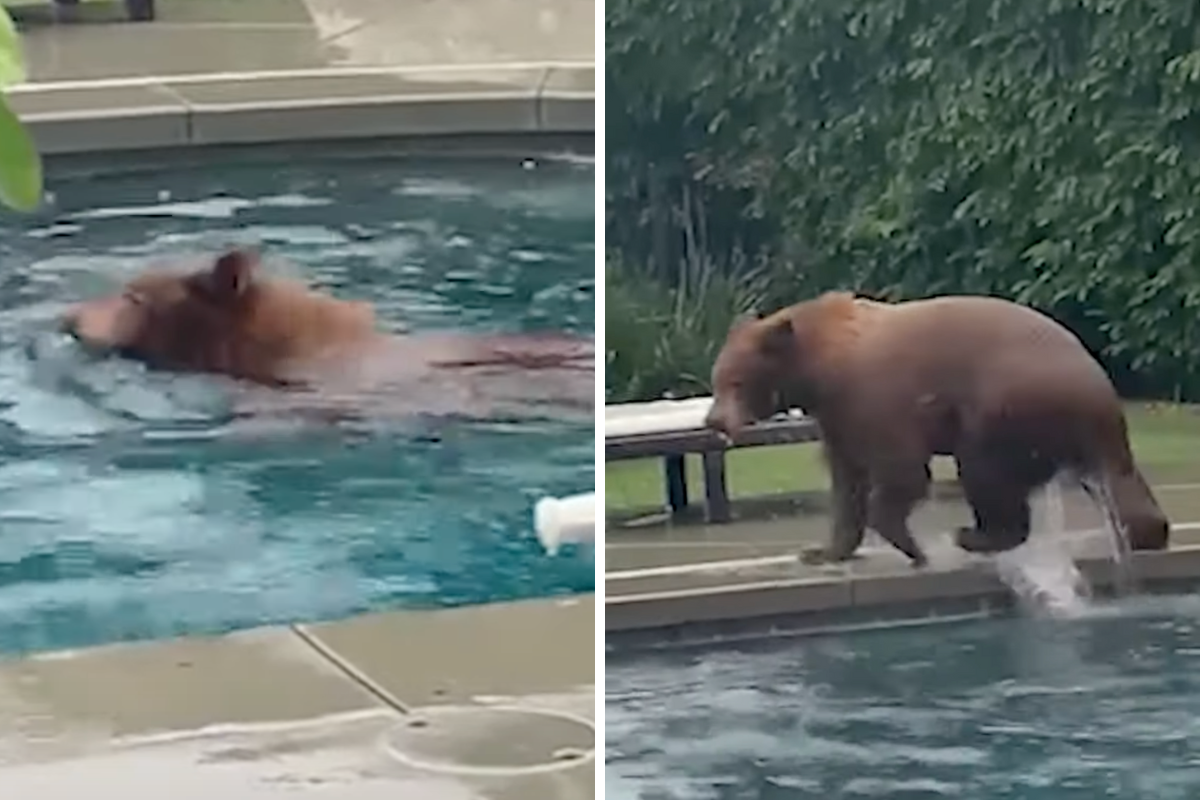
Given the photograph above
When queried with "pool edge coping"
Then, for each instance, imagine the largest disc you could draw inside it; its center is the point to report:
(178, 111)
(824, 603)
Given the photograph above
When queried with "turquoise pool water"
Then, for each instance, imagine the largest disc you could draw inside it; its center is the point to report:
(1106, 706)
(128, 509)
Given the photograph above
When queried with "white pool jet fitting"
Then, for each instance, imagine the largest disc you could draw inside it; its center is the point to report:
(565, 520)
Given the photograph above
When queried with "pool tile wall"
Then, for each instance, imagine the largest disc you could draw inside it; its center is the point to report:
(879, 588)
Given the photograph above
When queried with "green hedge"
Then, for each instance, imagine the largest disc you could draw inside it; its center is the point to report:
(1042, 150)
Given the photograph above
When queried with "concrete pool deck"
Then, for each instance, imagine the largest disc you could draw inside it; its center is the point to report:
(224, 72)
(494, 701)
(668, 584)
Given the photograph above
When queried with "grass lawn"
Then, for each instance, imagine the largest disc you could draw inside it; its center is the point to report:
(1166, 441)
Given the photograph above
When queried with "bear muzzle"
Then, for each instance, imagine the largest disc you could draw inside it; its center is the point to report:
(96, 326)
(720, 422)
(69, 323)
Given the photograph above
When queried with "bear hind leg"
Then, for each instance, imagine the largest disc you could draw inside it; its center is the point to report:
(999, 500)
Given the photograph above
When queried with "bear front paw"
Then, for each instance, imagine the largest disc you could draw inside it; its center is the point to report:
(815, 556)
(972, 540)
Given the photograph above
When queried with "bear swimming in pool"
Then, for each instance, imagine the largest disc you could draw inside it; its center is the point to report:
(224, 318)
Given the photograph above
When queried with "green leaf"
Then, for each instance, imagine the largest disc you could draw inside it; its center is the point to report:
(12, 57)
(20, 164)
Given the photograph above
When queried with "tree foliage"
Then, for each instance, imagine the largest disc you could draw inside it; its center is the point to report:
(1042, 150)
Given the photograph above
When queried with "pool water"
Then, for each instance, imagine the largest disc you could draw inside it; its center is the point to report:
(130, 509)
(1103, 706)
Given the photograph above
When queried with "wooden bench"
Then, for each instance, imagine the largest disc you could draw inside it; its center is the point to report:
(631, 432)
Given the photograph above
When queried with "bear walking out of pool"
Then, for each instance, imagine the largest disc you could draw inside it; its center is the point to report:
(1011, 394)
(224, 319)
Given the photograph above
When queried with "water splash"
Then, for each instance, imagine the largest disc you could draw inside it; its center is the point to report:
(1041, 572)
(1117, 536)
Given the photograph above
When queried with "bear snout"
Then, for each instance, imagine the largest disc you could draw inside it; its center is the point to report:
(68, 322)
(95, 324)
(719, 422)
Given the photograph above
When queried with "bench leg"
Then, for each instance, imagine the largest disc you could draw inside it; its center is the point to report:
(677, 491)
(140, 10)
(716, 493)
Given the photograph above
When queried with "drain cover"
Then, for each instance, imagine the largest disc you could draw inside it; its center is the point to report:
(491, 740)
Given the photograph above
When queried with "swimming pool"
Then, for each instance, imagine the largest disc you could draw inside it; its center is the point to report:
(1105, 706)
(128, 509)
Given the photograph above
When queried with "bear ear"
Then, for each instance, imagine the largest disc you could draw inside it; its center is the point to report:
(779, 337)
(232, 273)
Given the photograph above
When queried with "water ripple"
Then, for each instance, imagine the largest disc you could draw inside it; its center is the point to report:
(1041, 710)
(130, 507)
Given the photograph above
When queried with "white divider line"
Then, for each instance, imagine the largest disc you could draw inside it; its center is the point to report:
(729, 565)
(264, 75)
(734, 564)
(652, 545)
(188, 27)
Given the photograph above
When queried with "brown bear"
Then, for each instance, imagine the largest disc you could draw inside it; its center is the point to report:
(224, 318)
(1011, 394)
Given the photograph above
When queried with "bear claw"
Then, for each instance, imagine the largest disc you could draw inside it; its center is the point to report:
(972, 541)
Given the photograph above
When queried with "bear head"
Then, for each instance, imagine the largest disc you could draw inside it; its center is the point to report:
(221, 318)
(788, 358)
(750, 372)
